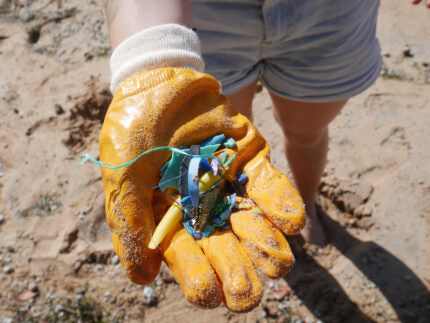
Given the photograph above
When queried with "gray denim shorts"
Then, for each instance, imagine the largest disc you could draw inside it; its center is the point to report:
(304, 50)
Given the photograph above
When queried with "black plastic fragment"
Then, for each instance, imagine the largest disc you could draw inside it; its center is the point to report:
(235, 187)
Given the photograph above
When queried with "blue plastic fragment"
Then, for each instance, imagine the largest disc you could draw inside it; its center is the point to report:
(241, 177)
(193, 180)
(226, 213)
(186, 200)
(189, 228)
(204, 164)
(195, 234)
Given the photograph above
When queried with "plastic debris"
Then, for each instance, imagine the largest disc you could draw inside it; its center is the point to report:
(203, 212)
(205, 205)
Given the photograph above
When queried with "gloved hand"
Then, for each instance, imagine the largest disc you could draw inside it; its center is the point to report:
(180, 107)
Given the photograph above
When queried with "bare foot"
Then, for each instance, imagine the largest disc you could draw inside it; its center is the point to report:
(313, 232)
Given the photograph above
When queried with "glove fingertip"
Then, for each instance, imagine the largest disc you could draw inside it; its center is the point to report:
(140, 264)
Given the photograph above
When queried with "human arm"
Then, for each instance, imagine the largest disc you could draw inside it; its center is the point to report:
(127, 17)
(161, 99)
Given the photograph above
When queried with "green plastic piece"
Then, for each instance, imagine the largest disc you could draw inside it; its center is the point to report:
(223, 157)
(229, 143)
(229, 161)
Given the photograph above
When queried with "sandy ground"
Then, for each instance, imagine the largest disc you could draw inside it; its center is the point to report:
(374, 199)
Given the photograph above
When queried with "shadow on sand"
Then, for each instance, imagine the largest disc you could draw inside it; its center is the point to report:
(323, 295)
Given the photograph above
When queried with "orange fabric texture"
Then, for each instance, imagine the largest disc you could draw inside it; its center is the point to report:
(180, 107)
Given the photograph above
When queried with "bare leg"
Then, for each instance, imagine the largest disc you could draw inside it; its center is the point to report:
(305, 126)
(242, 100)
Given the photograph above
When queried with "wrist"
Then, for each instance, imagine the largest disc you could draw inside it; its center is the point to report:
(127, 17)
(169, 45)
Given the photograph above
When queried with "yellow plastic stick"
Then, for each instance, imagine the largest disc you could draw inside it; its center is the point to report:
(174, 213)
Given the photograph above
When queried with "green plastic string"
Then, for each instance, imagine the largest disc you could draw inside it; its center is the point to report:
(228, 162)
(84, 157)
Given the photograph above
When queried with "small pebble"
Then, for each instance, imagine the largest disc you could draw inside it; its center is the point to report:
(58, 109)
(271, 285)
(149, 295)
(79, 290)
(1, 218)
(115, 260)
(106, 296)
(28, 16)
(49, 296)
(33, 287)
(407, 52)
(158, 282)
(8, 269)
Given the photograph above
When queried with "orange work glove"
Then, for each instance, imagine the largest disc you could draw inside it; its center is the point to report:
(180, 107)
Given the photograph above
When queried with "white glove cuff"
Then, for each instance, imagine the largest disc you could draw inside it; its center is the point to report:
(168, 45)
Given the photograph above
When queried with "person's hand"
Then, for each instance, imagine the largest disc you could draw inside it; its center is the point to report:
(419, 1)
(180, 107)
